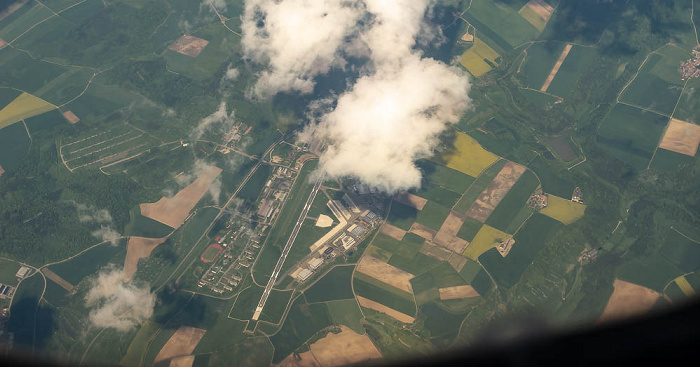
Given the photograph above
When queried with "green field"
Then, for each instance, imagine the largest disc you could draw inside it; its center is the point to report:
(441, 322)
(8, 95)
(380, 292)
(469, 229)
(24, 106)
(667, 161)
(528, 243)
(652, 272)
(209, 61)
(253, 187)
(346, 312)
(24, 313)
(402, 216)
(45, 121)
(681, 251)
(504, 21)
(469, 271)
(509, 207)
(141, 226)
(424, 288)
(574, 67)
(539, 99)
(689, 103)
(89, 262)
(27, 17)
(303, 321)
(335, 285)
(137, 350)
(631, 135)
(276, 305)
(8, 269)
(658, 84)
(552, 182)
(409, 245)
(539, 62)
(478, 186)
(432, 215)
(416, 264)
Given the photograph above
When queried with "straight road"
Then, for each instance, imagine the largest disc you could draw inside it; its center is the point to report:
(287, 247)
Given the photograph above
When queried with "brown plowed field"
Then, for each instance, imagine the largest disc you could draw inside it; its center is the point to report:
(189, 45)
(173, 211)
(344, 348)
(495, 191)
(364, 302)
(423, 231)
(411, 200)
(137, 249)
(681, 137)
(628, 299)
(182, 343)
(457, 292)
(386, 273)
(393, 232)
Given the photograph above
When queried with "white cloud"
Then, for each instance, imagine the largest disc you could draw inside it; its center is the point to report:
(118, 305)
(221, 119)
(90, 214)
(297, 39)
(108, 234)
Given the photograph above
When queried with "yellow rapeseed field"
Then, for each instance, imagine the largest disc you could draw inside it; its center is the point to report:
(24, 106)
(468, 156)
(473, 58)
(563, 210)
(685, 286)
(485, 239)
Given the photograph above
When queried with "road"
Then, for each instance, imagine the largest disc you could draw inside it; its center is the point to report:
(287, 247)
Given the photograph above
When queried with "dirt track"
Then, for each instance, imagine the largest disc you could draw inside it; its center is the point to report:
(555, 69)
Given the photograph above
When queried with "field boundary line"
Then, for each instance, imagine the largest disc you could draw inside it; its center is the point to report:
(692, 10)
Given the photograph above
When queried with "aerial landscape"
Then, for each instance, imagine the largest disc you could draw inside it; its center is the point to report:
(199, 183)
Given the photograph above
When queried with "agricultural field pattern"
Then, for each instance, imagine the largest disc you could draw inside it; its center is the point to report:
(328, 183)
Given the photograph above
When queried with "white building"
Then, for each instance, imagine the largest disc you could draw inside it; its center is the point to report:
(315, 263)
(304, 275)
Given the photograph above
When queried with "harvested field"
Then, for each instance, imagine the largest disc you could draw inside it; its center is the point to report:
(628, 300)
(344, 348)
(457, 292)
(423, 231)
(189, 45)
(386, 273)
(185, 361)
(468, 156)
(475, 58)
(447, 235)
(393, 232)
(71, 117)
(137, 249)
(173, 211)
(182, 343)
(364, 302)
(2, 171)
(681, 137)
(537, 12)
(457, 262)
(12, 8)
(2, 43)
(555, 69)
(493, 194)
(411, 200)
(436, 252)
(57, 279)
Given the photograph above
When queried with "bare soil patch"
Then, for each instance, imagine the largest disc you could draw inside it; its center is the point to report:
(542, 9)
(457, 292)
(182, 343)
(2, 171)
(555, 69)
(628, 299)
(173, 211)
(364, 302)
(341, 349)
(2, 43)
(11, 9)
(71, 117)
(447, 235)
(495, 192)
(423, 231)
(57, 279)
(393, 231)
(324, 221)
(457, 262)
(189, 45)
(137, 249)
(185, 361)
(411, 200)
(434, 251)
(386, 273)
(681, 137)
